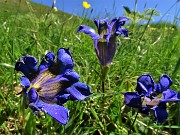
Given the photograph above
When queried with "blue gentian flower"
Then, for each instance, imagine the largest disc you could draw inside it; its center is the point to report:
(105, 43)
(146, 97)
(51, 84)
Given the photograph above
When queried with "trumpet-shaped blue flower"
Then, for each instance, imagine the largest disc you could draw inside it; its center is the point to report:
(105, 43)
(146, 96)
(51, 84)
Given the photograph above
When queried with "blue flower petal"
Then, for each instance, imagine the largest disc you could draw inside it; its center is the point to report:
(145, 110)
(133, 99)
(103, 26)
(147, 81)
(68, 78)
(160, 114)
(178, 94)
(27, 65)
(47, 61)
(24, 81)
(106, 52)
(165, 82)
(107, 37)
(100, 22)
(121, 31)
(59, 113)
(96, 47)
(72, 76)
(112, 25)
(141, 89)
(32, 96)
(122, 20)
(79, 91)
(48, 86)
(170, 96)
(157, 88)
(65, 60)
(61, 99)
(118, 28)
(88, 30)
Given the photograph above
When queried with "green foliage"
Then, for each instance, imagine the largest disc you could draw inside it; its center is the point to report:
(152, 48)
(136, 17)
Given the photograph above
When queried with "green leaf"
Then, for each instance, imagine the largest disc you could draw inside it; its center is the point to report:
(127, 9)
(30, 124)
(96, 117)
(6, 65)
(177, 67)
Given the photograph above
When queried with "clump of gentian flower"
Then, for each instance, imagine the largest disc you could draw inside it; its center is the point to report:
(51, 84)
(105, 42)
(147, 98)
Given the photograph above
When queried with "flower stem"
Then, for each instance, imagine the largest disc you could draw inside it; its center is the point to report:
(23, 109)
(136, 116)
(134, 121)
(103, 85)
(104, 71)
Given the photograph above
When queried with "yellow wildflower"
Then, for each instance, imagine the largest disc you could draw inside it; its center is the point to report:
(85, 4)
(55, 9)
(152, 28)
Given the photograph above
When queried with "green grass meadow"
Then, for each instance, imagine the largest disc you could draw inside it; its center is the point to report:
(29, 28)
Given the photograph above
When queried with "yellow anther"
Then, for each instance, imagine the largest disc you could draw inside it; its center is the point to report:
(35, 86)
